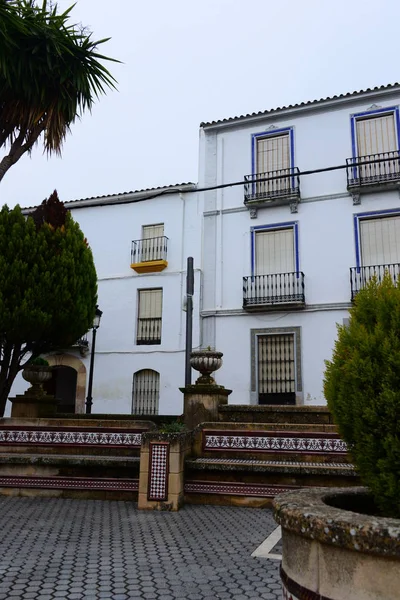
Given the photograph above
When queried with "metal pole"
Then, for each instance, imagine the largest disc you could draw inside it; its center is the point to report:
(189, 319)
(89, 399)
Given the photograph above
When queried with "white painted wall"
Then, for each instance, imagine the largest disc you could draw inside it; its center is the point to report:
(325, 219)
(110, 230)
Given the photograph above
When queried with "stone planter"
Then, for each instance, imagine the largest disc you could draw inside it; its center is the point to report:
(330, 553)
(36, 375)
(206, 362)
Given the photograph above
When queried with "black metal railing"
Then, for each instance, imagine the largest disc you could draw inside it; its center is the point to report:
(279, 288)
(149, 331)
(274, 185)
(372, 170)
(150, 249)
(360, 276)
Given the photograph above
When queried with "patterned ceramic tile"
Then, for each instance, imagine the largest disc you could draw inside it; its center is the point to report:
(158, 471)
(274, 442)
(64, 437)
(236, 489)
(75, 483)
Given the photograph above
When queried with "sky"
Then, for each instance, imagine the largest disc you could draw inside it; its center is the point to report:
(188, 61)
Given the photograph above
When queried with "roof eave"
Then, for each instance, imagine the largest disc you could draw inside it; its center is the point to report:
(317, 105)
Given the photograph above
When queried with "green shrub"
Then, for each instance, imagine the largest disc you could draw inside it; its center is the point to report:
(362, 387)
(38, 362)
(172, 427)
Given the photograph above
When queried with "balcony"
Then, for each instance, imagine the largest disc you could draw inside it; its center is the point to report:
(367, 173)
(360, 276)
(273, 291)
(149, 255)
(149, 331)
(275, 187)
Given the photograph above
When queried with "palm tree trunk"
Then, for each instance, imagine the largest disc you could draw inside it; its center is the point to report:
(19, 147)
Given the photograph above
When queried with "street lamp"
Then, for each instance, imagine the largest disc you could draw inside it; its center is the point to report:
(96, 325)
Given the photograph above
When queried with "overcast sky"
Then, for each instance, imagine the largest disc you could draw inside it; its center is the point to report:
(187, 61)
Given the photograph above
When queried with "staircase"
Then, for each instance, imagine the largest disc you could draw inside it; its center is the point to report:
(250, 463)
(70, 458)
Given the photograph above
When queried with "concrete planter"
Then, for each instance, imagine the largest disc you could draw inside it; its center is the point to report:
(334, 554)
(206, 362)
(36, 375)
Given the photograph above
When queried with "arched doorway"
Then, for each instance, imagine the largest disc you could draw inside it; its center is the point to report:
(68, 381)
(62, 385)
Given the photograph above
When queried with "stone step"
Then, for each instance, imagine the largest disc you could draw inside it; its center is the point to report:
(107, 488)
(272, 466)
(275, 414)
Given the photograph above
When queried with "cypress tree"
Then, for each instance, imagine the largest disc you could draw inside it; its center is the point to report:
(48, 286)
(362, 387)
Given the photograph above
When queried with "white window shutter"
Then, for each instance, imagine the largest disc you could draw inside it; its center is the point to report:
(380, 241)
(376, 135)
(274, 251)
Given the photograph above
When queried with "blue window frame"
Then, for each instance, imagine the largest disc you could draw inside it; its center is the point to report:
(287, 225)
(391, 212)
(271, 133)
(371, 113)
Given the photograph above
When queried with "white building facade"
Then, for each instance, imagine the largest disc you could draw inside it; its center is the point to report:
(140, 243)
(295, 209)
(284, 255)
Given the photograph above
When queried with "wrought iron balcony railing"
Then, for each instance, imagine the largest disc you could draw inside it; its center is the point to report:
(148, 250)
(360, 276)
(283, 184)
(149, 331)
(274, 289)
(373, 170)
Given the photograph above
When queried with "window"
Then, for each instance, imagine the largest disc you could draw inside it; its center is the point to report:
(152, 242)
(376, 135)
(380, 241)
(273, 157)
(145, 392)
(149, 317)
(376, 143)
(274, 251)
(276, 369)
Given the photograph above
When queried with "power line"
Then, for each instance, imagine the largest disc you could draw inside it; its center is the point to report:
(175, 190)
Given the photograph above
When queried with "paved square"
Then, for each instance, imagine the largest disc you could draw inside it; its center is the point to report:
(90, 549)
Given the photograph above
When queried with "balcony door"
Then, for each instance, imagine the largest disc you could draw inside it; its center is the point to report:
(273, 157)
(377, 139)
(152, 244)
(276, 369)
(274, 251)
(380, 247)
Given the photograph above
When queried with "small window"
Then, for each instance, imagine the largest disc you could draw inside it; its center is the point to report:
(149, 323)
(145, 392)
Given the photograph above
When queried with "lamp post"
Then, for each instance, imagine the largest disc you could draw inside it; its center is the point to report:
(96, 325)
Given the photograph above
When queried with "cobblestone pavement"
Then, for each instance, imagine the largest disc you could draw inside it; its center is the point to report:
(88, 549)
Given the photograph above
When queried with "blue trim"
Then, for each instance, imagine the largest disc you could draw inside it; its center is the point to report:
(271, 133)
(365, 215)
(389, 109)
(286, 225)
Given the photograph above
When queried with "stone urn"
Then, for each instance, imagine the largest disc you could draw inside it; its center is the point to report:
(37, 375)
(335, 547)
(206, 362)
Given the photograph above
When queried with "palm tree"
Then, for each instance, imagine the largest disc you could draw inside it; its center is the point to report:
(50, 72)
